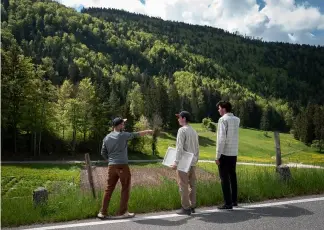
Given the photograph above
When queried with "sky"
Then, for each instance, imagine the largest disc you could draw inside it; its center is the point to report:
(294, 21)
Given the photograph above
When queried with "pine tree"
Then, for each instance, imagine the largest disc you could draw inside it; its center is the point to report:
(73, 114)
(243, 114)
(64, 94)
(86, 97)
(265, 124)
(319, 127)
(136, 101)
(17, 72)
(114, 104)
(307, 125)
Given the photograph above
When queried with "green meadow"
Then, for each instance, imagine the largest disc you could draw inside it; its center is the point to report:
(254, 146)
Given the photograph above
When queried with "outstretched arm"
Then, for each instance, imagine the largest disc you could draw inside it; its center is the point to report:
(130, 136)
(145, 132)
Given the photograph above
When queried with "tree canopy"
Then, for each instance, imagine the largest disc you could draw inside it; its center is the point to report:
(66, 74)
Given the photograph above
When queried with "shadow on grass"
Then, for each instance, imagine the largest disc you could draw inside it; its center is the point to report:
(235, 216)
(167, 136)
(205, 141)
(320, 152)
(266, 134)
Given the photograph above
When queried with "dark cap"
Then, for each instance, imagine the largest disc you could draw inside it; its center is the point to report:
(117, 121)
(184, 114)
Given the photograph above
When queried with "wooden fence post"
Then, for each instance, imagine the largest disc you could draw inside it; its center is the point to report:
(283, 170)
(89, 170)
(278, 150)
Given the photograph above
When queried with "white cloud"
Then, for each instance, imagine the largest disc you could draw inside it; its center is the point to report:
(279, 20)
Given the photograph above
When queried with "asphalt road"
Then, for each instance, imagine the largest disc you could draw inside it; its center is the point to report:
(298, 213)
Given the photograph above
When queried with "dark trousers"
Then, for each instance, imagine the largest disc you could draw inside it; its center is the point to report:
(227, 173)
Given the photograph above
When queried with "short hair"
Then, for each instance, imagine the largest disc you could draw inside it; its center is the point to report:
(184, 114)
(225, 105)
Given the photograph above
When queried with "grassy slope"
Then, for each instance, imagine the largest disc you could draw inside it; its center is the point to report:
(254, 146)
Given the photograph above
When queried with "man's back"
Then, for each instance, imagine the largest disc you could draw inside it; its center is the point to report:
(230, 125)
(115, 147)
(189, 137)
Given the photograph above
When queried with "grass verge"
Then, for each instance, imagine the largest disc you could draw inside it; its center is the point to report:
(255, 184)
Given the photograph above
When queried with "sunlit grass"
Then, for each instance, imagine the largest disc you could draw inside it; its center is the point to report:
(254, 146)
(254, 183)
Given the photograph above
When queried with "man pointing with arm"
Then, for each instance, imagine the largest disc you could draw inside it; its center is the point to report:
(114, 150)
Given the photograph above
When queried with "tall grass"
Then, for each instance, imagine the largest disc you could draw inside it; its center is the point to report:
(255, 184)
(259, 183)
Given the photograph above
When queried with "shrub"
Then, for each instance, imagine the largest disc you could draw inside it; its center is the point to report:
(157, 125)
(318, 144)
(138, 144)
(206, 121)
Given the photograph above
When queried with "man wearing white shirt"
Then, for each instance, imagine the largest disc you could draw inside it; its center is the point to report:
(187, 140)
(226, 153)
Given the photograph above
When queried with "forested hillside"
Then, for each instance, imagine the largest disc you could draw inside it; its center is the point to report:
(66, 74)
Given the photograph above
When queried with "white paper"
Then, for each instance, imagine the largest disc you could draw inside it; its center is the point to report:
(184, 163)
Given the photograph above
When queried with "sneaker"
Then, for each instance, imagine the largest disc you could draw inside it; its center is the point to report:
(102, 216)
(183, 211)
(225, 207)
(193, 210)
(127, 215)
(235, 205)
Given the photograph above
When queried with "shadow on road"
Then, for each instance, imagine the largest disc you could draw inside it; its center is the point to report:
(234, 216)
(237, 216)
(165, 222)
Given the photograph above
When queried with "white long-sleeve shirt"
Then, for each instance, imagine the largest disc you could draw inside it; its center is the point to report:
(187, 140)
(227, 135)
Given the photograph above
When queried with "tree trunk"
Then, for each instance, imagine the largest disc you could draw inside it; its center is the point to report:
(73, 141)
(39, 143)
(15, 140)
(35, 143)
(15, 114)
(99, 146)
(40, 132)
(30, 136)
(182, 102)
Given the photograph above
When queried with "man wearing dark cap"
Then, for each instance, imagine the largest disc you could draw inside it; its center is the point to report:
(187, 140)
(114, 150)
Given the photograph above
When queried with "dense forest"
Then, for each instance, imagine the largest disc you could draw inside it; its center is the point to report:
(65, 75)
